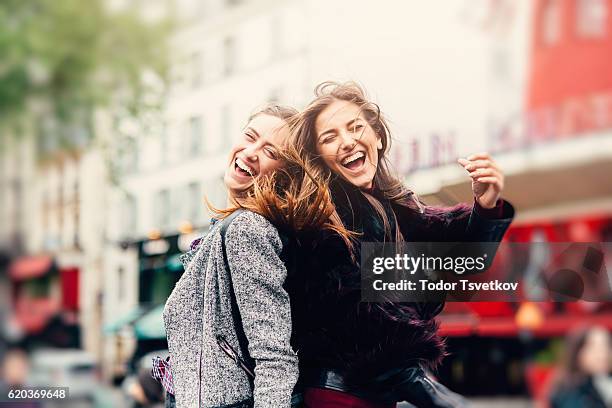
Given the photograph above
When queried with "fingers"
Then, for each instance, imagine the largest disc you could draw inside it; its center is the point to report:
(489, 180)
(483, 169)
(498, 185)
(479, 160)
(478, 164)
(488, 176)
(485, 172)
(496, 181)
(482, 155)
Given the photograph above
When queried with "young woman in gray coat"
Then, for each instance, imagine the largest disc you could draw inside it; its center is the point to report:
(199, 311)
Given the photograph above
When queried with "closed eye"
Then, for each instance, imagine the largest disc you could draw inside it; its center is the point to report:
(271, 153)
(327, 139)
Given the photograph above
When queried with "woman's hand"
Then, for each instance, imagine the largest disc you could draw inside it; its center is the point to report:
(487, 178)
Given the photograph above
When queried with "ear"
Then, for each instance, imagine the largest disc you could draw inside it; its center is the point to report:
(379, 144)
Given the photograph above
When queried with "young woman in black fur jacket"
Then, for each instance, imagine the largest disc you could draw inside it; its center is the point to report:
(355, 354)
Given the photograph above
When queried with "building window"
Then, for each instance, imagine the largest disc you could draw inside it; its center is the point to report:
(162, 208)
(226, 128)
(195, 135)
(163, 145)
(77, 214)
(130, 157)
(195, 201)
(179, 205)
(202, 9)
(196, 70)
(121, 284)
(130, 214)
(551, 22)
(76, 238)
(46, 209)
(177, 73)
(276, 38)
(229, 56)
(216, 193)
(60, 208)
(591, 18)
(232, 3)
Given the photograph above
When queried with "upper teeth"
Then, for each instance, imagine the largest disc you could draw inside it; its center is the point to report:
(243, 166)
(353, 157)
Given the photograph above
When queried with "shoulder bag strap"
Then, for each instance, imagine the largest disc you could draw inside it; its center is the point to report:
(243, 342)
(297, 399)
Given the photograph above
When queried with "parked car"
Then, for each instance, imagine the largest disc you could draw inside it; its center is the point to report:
(72, 368)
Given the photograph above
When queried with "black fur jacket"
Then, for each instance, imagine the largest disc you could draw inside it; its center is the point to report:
(332, 328)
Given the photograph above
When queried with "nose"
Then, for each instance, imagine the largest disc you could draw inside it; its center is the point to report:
(347, 141)
(250, 152)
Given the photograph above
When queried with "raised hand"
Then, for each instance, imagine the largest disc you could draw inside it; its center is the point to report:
(487, 178)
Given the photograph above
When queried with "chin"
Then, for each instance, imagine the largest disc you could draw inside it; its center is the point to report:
(359, 183)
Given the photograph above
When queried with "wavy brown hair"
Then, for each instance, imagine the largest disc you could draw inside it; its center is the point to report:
(291, 197)
(304, 138)
(570, 373)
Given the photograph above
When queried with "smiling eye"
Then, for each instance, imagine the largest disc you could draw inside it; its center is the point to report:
(356, 128)
(327, 139)
(271, 153)
(249, 136)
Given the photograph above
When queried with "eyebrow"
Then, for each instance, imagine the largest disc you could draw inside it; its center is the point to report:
(349, 123)
(326, 132)
(253, 130)
(258, 136)
(352, 121)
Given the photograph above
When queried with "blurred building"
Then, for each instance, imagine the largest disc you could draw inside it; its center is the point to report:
(550, 129)
(512, 91)
(229, 58)
(17, 166)
(53, 236)
(529, 81)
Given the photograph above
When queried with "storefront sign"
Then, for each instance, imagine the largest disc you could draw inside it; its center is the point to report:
(572, 118)
(416, 153)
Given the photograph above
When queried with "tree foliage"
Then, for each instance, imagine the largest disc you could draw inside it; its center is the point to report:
(62, 59)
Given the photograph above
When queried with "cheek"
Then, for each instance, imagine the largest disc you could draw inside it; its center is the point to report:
(268, 166)
(328, 153)
(233, 152)
(374, 154)
(372, 138)
(590, 358)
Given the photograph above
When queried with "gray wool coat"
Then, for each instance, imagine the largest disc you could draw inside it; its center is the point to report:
(199, 309)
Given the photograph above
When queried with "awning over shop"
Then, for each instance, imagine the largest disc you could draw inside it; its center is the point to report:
(124, 320)
(151, 325)
(174, 263)
(30, 267)
(464, 326)
(568, 177)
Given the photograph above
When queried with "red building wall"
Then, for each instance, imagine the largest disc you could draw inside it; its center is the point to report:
(571, 65)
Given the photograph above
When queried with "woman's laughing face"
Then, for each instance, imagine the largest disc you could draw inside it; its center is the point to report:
(347, 143)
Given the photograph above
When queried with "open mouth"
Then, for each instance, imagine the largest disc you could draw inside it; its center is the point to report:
(243, 169)
(354, 161)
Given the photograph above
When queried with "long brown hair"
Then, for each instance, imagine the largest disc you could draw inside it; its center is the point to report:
(291, 197)
(304, 139)
(571, 373)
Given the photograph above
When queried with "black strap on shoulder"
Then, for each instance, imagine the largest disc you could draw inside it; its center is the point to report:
(243, 341)
(225, 223)
(247, 366)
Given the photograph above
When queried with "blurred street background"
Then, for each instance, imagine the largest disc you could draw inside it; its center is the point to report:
(116, 118)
